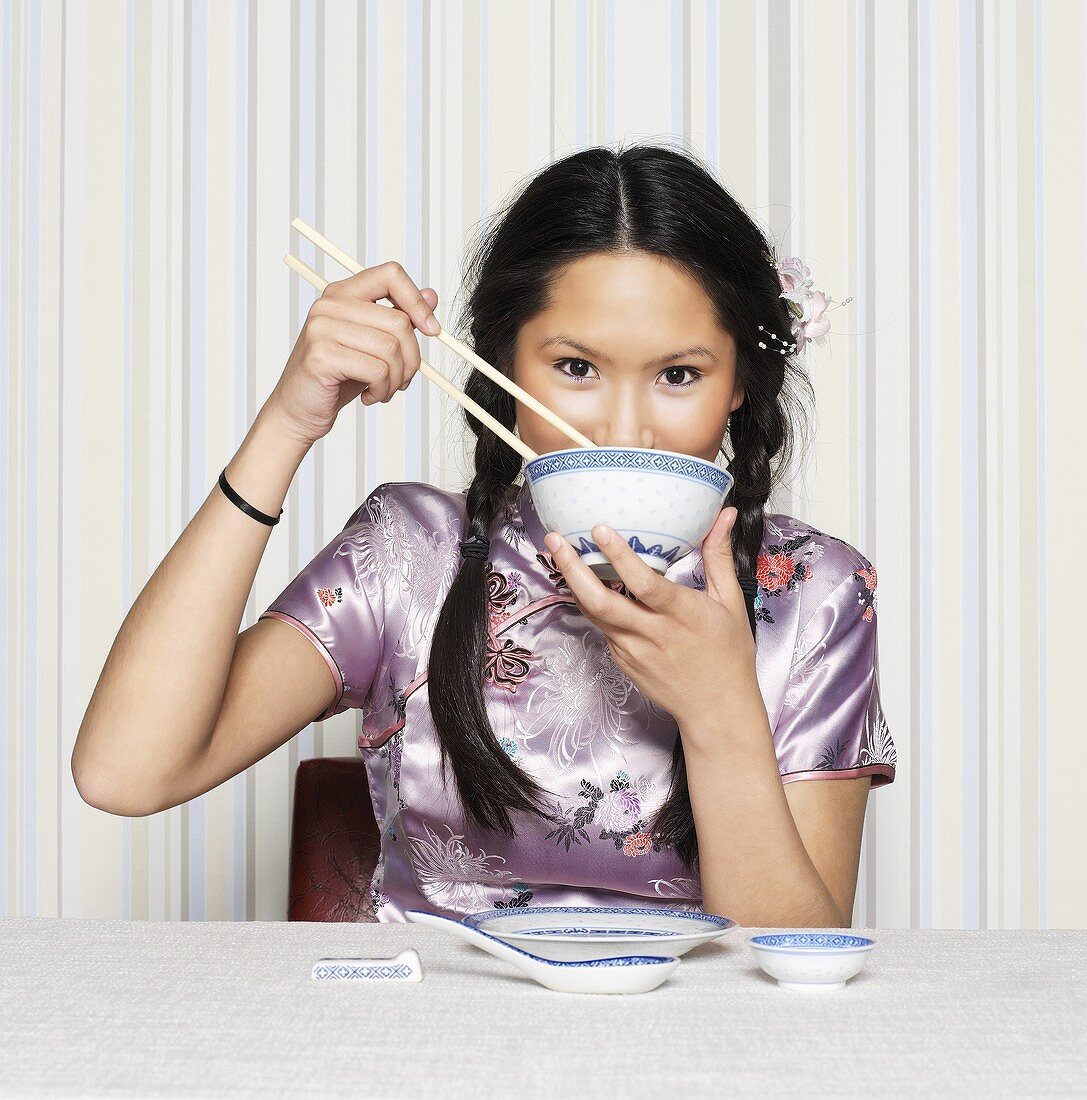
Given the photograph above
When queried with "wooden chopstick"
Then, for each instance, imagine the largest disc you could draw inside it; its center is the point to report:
(454, 344)
(439, 379)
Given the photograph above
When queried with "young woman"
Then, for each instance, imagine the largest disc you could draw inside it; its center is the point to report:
(532, 735)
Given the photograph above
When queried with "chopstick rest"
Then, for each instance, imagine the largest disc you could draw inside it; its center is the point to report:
(404, 967)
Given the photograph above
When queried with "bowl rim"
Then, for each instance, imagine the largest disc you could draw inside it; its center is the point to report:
(713, 921)
(645, 450)
(758, 943)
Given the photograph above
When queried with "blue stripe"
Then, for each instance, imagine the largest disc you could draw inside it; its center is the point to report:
(862, 428)
(197, 367)
(926, 542)
(484, 99)
(609, 74)
(305, 499)
(1040, 483)
(713, 83)
(10, 640)
(241, 275)
(32, 271)
(413, 222)
(581, 75)
(74, 323)
(126, 464)
(375, 180)
(677, 67)
(969, 550)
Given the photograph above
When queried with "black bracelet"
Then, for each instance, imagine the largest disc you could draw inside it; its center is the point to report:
(245, 506)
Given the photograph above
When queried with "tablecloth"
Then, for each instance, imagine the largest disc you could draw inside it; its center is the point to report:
(142, 1008)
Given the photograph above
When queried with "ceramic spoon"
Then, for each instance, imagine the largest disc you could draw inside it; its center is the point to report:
(625, 974)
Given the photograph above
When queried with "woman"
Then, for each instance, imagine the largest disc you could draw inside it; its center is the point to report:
(531, 734)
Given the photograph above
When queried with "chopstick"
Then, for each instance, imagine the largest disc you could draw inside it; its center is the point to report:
(454, 344)
(439, 379)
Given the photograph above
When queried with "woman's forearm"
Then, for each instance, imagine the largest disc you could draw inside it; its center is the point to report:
(753, 863)
(161, 686)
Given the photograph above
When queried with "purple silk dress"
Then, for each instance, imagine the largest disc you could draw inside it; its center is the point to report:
(560, 705)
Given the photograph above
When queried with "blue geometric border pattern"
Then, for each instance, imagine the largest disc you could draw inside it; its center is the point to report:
(660, 461)
(813, 940)
(340, 970)
(620, 960)
(587, 546)
(583, 930)
(474, 919)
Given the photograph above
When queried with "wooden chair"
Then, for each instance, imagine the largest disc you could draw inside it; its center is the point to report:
(334, 842)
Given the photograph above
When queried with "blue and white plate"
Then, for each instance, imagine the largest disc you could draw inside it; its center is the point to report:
(576, 932)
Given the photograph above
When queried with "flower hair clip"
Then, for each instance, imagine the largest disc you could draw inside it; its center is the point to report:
(807, 305)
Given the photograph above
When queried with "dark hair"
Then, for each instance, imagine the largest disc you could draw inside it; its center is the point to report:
(644, 198)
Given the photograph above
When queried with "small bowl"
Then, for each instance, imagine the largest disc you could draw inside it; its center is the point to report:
(662, 503)
(811, 960)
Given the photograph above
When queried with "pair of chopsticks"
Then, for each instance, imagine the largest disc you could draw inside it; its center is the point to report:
(452, 342)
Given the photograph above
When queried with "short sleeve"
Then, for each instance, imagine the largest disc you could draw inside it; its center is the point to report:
(337, 602)
(832, 724)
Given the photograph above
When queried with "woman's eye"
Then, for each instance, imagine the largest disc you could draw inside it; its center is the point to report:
(575, 364)
(684, 370)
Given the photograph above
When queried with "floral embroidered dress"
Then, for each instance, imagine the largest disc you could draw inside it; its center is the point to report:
(560, 705)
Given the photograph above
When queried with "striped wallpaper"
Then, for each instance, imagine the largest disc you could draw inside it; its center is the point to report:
(925, 158)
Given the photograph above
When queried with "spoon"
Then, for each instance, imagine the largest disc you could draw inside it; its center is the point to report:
(624, 974)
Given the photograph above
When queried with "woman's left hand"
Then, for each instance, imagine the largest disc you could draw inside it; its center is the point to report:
(689, 651)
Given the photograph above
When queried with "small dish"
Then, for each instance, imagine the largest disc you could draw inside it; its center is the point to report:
(662, 503)
(811, 960)
(572, 933)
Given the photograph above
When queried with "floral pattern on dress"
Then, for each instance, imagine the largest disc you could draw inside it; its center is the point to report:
(403, 557)
(682, 889)
(452, 875)
(582, 701)
(878, 746)
(513, 529)
(778, 571)
(330, 596)
(393, 751)
(505, 664)
(618, 813)
(554, 573)
(378, 897)
(866, 597)
(522, 895)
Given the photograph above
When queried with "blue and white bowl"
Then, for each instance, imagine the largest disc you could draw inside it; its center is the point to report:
(811, 960)
(662, 502)
(571, 933)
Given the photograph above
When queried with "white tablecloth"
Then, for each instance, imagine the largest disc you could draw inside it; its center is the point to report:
(133, 1008)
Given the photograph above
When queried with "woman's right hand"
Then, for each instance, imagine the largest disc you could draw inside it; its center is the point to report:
(350, 346)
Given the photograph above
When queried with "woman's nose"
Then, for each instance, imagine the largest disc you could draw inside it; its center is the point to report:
(623, 431)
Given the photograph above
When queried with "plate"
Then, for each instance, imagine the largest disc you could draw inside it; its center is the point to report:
(577, 932)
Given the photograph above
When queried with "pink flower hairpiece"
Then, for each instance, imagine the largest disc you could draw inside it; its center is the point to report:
(807, 305)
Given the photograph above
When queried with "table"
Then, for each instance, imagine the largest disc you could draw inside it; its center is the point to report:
(127, 1008)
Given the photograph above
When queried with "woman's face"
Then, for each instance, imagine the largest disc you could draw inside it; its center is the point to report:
(629, 351)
